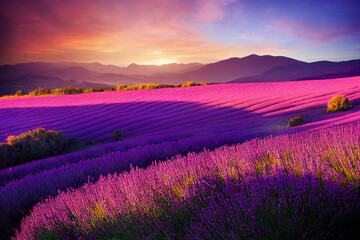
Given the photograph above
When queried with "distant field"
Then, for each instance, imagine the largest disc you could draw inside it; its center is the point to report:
(251, 107)
(298, 186)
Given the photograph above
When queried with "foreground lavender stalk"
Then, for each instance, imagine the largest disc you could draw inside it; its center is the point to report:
(39, 184)
(290, 187)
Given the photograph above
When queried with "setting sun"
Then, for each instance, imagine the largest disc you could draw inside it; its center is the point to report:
(160, 62)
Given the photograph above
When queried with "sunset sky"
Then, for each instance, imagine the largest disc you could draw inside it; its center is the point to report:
(164, 31)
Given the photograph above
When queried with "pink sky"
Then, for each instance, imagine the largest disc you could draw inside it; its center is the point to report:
(158, 31)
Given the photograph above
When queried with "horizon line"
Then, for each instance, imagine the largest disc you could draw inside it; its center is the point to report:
(170, 63)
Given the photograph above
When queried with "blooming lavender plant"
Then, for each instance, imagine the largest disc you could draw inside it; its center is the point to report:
(289, 187)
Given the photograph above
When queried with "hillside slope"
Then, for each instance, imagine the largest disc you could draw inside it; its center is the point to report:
(251, 68)
(264, 182)
(157, 125)
(229, 69)
(302, 70)
(197, 110)
(28, 83)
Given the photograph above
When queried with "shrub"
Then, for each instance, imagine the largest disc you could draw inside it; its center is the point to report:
(295, 121)
(121, 87)
(58, 91)
(73, 141)
(71, 90)
(166, 86)
(19, 93)
(88, 90)
(138, 87)
(150, 86)
(89, 143)
(338, 103)
(31, 145)
(117, 135)
(40, 91)
(103, 89)
(188, 84)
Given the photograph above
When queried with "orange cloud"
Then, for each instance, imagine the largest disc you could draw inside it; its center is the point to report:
(111, 31)
(94, 30)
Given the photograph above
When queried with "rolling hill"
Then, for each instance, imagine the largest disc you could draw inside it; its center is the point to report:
(229, 69)
(196, 110)
(83, 74)
(29, 76)
(160, 124)
(252, 68)
(136, 69)
(30, 82)
(302, 71)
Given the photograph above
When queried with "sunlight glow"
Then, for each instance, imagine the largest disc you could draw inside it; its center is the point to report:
(160, 62)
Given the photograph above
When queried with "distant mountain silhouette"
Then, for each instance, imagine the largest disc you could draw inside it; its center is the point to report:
(306, 71)
(82, 74)
(149, 70)
(29, 82)
(232, 68)
(136, 69)
(72, 73)
(253, 68)
(13, 77)
(29, 76)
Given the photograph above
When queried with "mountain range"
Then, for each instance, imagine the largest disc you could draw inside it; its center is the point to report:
(253, 68)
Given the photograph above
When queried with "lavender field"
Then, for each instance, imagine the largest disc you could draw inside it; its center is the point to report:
(176, 173)
(197, 110)
(300, 186)
(179, 120)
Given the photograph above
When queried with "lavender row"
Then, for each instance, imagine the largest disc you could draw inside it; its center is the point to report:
(314, 174)
(18, 196)
(94, 116)
(247, 127)
(34, 167)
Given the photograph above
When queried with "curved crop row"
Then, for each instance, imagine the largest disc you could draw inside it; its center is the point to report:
(197, 143)
(94, 116)
(19, 195)
(305, 182)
